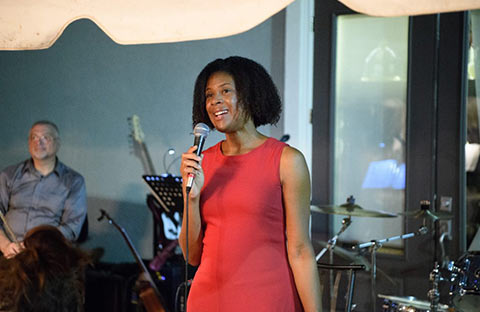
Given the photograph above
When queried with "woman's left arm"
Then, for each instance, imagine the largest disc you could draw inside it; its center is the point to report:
(296, 198)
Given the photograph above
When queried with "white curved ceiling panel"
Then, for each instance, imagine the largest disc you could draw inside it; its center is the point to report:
(35, 24)
(409, 7)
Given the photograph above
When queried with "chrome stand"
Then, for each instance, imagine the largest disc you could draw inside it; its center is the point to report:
(373, 246)
(373, 273)
(434, 293)
(332, 242)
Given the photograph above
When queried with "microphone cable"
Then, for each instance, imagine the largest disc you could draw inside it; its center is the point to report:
(186, 247)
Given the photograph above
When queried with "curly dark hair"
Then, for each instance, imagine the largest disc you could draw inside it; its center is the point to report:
(48, 275)
(257, 94)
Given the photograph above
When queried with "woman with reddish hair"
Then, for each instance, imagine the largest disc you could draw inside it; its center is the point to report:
(46, 275)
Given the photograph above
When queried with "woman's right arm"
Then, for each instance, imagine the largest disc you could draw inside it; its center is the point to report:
(191, 164)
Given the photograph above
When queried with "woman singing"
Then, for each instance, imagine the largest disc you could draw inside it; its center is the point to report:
(249, 205)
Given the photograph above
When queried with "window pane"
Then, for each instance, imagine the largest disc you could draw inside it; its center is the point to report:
(472, 148)
(370, 122)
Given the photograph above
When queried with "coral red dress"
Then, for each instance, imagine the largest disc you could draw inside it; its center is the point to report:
(244, 265)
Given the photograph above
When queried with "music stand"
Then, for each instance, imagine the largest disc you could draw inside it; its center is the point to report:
(166, 200)
(167, 190)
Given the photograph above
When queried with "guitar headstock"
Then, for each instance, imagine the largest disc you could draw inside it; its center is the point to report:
(137, 132)
(139, 147)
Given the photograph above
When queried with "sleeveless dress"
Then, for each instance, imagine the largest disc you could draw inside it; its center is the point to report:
(244, 265)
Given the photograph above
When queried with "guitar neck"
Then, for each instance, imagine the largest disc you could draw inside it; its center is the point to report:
(147, 160)
(151, 297)
(135, 254)
(139, 145)
(133, 250)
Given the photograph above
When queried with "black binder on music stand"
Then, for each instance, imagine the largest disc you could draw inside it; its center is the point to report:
(165, 200)
(167, 190)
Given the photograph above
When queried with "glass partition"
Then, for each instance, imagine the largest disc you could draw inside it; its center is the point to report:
(370, 123)
(472, 146)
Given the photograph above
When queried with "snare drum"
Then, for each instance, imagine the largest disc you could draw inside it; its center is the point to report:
(465, 282)
(408, 304)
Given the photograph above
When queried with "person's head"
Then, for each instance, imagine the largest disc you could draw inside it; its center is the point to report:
(52, 245)
(47, 275)
(43, 140)
(243, 85)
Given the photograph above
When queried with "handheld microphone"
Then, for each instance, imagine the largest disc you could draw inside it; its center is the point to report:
(200, 132)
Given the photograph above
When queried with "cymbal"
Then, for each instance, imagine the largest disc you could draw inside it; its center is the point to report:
(437, 215)
(414, 302)
(354, 210)
(353, 257)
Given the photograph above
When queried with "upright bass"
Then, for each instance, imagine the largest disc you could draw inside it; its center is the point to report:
(148, 293)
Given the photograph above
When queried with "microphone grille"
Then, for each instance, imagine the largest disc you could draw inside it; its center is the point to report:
(201, 129)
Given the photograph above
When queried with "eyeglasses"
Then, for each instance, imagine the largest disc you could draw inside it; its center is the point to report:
(43, 138)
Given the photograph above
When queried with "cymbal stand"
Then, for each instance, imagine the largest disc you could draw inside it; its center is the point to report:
(434, 294)
(332, 242)
(373, 252)
(373, 246)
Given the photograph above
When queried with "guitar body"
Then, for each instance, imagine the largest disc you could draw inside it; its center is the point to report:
(165, 244)
(150, 301)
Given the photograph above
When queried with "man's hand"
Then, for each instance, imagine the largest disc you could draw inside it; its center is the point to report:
(11, 249)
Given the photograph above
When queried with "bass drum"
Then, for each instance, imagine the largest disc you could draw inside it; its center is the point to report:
(465, 279)
(408, 304)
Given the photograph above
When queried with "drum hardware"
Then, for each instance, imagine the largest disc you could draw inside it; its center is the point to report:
(411, 304)
(425, 211)
(444, 257)
(349, 306)
(465, 282)
(351, 209)
(434, 293)
(408, 304)
(332, 242)
(352, 257)
(373, 246)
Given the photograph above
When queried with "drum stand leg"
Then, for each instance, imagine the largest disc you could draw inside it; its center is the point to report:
(351, 285)
(373, 273)
(330, 246)
(434, 294)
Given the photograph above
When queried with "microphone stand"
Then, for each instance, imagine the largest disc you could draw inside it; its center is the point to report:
(373, 246)
(332, 242)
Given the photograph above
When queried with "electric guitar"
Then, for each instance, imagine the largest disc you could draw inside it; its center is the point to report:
(167, 222)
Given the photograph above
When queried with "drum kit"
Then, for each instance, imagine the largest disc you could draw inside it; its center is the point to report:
(463, 275)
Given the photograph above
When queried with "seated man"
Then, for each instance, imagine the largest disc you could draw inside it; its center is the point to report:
(40, 190)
